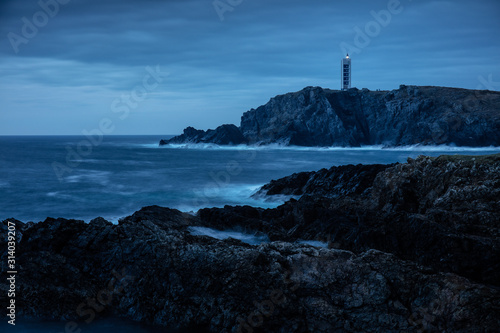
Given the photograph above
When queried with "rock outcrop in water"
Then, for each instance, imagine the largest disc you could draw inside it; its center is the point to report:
(407, 116)
(222, 135)
(413, 247)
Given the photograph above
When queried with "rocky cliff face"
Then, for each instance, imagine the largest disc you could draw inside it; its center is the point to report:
(412, 247)
(407, 116)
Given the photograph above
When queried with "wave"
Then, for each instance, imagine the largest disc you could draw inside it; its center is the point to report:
(273, 199)
(252, 239)
(442, 148)
(86, 160)
(146, 145)
(235, 195)
(90, 176)
(416, 147)
(60, 195)
(204, 146)
(314, 243)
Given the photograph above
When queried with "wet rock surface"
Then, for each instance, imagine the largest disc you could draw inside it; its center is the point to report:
(414, 248)
(407, 116)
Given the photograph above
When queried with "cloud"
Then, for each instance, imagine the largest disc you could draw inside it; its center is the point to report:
(96, 50)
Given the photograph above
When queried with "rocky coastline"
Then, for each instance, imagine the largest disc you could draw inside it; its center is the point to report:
(410, 115)
(408, 247)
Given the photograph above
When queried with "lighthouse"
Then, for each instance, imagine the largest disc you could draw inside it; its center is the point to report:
(346, 73)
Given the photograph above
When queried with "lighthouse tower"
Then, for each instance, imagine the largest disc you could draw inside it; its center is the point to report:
(346, 73)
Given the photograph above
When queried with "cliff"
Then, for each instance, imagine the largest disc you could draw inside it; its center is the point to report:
(410, 247)
(406, 116)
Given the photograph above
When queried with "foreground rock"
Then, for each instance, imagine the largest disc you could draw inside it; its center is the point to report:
(413, 247)
(442, 212)
(156, 272)
(406, 116)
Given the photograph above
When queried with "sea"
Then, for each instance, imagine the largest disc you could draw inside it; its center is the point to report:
(77, 177)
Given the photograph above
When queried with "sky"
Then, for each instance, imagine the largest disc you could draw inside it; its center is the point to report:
(71, 67)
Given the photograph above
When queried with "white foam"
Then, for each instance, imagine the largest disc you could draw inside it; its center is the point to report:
(231, 194)
(203, 146)
(417, 147)
(148, 145)
(89, 160)
(60, 195)
(439, 148)
(275, 199)
(218, 234)
(314, 243)
(91, 176)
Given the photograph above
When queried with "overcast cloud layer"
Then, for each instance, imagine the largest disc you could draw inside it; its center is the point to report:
(65, 69)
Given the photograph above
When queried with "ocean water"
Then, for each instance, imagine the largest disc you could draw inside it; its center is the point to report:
(74, 177)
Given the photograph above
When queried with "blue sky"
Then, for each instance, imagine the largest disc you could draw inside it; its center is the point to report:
(157, 66)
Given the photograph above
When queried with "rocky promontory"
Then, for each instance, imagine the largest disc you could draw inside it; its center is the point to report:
(223, 135)
(407, 116)
(407, 247)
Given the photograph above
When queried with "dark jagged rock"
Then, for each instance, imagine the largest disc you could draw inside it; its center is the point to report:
(442, 212)
(414, 247)
(407, 116)
(222, 135)
(334, 182)
(154, 272)
(462, 184)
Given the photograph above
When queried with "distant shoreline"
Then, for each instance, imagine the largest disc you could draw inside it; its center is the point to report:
(410, 115)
